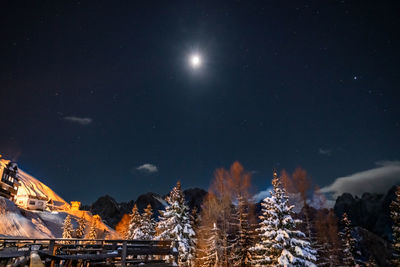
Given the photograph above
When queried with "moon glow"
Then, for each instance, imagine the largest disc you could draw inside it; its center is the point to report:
(195, 61)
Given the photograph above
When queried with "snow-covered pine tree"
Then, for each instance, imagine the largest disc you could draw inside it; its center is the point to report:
(92, 235)
(195, 219)
(234, 245)
(194, 222)
(80, 231)
(93, 231)
(207, 234)
(280, 243)
(148, 225)
(222, 190)
(243, 234)
(174, 224)
(395, 215)
(135, 223)
(349, 242)
(209, 255)
(67, 228)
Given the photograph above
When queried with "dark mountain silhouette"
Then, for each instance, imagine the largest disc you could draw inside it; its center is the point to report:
(112, 211)
(371, 211)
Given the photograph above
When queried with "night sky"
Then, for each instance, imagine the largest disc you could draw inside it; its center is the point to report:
(92, 90)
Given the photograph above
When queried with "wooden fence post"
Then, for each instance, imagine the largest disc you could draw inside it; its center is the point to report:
(52, 251)
(123, 256)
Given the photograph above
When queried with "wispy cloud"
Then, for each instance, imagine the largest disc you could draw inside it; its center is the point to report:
(326, 152)
(147, 168)
(261, 195)
(79, 120)
(376, 180)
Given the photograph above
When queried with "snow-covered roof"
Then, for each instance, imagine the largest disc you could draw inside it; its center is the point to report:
(30, 186)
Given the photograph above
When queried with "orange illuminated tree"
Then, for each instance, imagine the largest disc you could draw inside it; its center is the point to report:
(224, 234)
(122, 227)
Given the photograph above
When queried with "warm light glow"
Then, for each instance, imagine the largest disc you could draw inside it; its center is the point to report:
(195, 61)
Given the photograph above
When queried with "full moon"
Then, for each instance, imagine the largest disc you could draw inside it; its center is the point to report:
(195, 61)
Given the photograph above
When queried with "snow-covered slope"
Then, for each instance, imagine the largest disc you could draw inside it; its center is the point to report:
(13, 223)
(18, 222)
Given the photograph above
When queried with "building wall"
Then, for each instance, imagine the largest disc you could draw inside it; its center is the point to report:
(8, 181)
(30, 203)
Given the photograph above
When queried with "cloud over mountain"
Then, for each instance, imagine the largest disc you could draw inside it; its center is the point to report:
(376, 180)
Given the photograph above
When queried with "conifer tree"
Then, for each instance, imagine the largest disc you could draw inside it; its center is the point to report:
(242, 240)
(325, 237)
(327, 241)
(210, 253)
(301, 184)
(194, 222)
(227, 187)
(148, 224)
(195, 219)
(67, 228)
(281, 244)
(174, 224)
(225, 220)
(135, 223)
(80, 231)
(93, 231)
(349, 242)
(240, 232)
(395, 215)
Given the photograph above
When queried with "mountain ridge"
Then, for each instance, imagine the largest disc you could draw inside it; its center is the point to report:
(112, 211)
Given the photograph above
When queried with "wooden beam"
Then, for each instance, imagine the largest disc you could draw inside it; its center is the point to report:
(112, 251)
(13, 254)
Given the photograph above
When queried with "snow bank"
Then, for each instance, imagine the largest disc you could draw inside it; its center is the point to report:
(13, 223)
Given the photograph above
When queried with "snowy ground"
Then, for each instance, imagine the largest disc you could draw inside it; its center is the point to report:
(18, 222)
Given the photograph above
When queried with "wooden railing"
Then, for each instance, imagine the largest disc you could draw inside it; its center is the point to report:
(73, 252)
